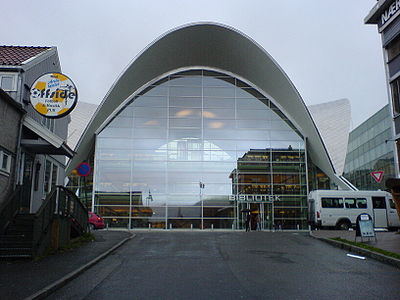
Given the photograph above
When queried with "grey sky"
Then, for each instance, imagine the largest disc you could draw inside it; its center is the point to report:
(323, 46)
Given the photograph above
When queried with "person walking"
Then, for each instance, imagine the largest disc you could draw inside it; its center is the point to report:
(258, 222)
(248, 218)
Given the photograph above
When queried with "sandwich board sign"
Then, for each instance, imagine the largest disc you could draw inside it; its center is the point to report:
(365, 226)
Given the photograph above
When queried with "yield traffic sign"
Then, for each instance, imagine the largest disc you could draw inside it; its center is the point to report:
(377, 175)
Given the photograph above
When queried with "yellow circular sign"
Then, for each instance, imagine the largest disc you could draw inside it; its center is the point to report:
(53, 95)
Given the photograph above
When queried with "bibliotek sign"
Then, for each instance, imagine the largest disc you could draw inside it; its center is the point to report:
(53, 95)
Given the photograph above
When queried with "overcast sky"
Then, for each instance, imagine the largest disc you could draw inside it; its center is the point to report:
(324, 46)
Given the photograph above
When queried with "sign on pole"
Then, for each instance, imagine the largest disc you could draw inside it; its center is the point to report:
(83, 169)
(53, 95)
(377, 175)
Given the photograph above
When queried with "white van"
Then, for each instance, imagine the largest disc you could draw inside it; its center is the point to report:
(341, 208)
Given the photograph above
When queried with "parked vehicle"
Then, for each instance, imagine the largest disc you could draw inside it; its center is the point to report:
(341, 208)
(95, 221)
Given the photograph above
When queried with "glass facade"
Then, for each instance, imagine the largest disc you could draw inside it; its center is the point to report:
(370, 149)
(200, 149)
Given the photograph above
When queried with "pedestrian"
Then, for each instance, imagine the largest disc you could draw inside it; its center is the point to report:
(258, 221)
(248, 218)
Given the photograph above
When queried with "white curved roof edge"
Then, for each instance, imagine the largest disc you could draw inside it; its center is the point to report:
(210, 46)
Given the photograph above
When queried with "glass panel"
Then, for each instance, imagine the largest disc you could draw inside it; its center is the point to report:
(213, 102)
(7, 83)
(227, 92)
(47, 173)
(151, 101)
(184, 91)
(185, 112)
(54, 175)
(191, 142)
(186, 81)
(154, 112)
(185, 102)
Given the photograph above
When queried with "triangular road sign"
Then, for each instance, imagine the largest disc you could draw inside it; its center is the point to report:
(377, 175)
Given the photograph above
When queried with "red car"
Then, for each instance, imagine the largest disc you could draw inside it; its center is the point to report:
(95, 221)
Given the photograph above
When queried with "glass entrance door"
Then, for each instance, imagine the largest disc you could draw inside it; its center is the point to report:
(261, 215)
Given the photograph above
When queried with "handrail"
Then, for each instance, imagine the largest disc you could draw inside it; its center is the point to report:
(9, 208)
(60, 202)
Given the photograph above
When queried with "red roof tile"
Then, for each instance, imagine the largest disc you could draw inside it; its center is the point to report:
(16, 55)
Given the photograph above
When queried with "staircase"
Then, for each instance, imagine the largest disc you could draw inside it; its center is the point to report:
(61, 217)
(17, 241)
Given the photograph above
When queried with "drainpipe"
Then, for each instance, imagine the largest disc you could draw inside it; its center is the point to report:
(18, 164)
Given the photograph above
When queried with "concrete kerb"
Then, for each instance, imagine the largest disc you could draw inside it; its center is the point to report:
(361, 251)
(64, 280)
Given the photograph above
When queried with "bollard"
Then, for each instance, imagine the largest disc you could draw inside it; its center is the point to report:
(298, 227)
(191, 226)
(149, 226)
(233, 227)
(170, 226)
(212, 226)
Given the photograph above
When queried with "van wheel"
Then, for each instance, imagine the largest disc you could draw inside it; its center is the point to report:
(343, 225)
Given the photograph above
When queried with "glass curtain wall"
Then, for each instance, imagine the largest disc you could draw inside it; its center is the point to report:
(177, 153)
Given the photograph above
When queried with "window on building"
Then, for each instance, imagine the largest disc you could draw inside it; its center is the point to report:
(394, 85)
(48, 123)
(393, 49)
(5, 161)
(54, 175)
(47, 173)
(50, 176)
(8, 82)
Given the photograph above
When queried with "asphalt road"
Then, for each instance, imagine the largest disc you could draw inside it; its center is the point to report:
(232, 265)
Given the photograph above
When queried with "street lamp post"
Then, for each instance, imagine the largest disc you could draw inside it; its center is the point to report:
(201, 185)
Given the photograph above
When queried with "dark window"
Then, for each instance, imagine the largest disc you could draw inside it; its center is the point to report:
(350, 202)
(393, 49)
(378, 202)
(392, 205)
(332, 202)
(394, 85)
(361, 203)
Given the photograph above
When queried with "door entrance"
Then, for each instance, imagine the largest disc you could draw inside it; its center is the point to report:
(261, 215)
(380, 216)
(25, 204)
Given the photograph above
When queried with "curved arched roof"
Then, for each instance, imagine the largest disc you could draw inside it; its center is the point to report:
(214, 46)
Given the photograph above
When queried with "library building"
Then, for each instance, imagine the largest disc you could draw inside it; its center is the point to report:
(202, 130)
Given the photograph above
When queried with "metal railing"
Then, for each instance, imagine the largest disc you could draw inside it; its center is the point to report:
(10, 208)
(60, 204)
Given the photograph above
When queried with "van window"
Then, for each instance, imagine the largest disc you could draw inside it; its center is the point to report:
(361, 203)
(332, 202)
(391, 203)
(350, 203)
(378, 202)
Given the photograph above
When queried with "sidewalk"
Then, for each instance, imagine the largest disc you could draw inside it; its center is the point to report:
(389, 241)
(21, 279)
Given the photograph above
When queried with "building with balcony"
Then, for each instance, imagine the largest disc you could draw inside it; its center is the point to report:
(32, 148)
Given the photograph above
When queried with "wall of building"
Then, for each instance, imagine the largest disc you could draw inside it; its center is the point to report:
(49, 62)
(384, 15)
(370, 150)
(10, 118)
